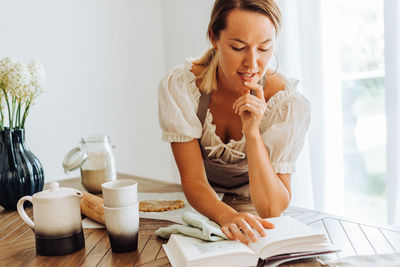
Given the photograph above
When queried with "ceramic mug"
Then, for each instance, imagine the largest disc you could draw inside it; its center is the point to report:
(119, 193)
(123, 227)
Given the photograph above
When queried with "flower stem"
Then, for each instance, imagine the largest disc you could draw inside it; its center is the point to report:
(13, 113)
(18, 116)
(27, 107)
(8, 108)
(1, 119)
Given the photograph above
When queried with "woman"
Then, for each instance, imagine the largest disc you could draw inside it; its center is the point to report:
(233, 124)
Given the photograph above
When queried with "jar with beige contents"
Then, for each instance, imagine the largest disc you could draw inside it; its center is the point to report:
(96, 162)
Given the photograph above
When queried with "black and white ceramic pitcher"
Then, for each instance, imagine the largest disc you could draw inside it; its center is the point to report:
(56, 221)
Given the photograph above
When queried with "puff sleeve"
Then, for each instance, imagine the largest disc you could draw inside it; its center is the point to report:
(286, 123)
(178, 99)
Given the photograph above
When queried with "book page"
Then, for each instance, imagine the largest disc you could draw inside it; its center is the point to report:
(195, 249)
(286, 230)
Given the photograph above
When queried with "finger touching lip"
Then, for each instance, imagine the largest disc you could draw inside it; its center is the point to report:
(255, 89)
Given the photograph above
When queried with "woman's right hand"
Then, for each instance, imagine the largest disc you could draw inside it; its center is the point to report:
(244, 226)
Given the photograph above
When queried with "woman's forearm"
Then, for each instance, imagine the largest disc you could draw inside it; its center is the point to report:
(268, 193)
(204, 199)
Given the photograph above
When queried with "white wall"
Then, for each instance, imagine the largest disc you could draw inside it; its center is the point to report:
(185, 27)
(103, 60)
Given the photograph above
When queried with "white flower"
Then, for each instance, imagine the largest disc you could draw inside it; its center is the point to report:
(1, 99)
(17, 81)
(37, 77)
(5, 66)
(20, 84)
(6, 63)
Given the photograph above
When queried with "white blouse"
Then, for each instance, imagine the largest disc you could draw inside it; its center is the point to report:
(283, 126)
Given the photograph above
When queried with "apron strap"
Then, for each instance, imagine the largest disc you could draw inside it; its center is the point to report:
(201, 114)
(203, 106)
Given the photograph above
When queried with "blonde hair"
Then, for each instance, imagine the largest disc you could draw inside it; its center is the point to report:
(209, 60)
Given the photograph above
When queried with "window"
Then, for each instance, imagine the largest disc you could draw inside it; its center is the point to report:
(361, 37)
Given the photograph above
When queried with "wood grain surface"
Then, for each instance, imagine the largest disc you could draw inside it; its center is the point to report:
(17, 241)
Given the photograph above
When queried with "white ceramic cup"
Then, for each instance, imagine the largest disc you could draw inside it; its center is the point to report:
(119, 193)
(123, 227)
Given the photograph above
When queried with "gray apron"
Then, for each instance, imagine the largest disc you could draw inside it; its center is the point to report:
(222, 177)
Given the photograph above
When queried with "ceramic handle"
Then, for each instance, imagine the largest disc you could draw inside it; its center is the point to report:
(22, 213)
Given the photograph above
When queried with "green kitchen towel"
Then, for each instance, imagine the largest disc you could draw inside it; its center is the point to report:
(196, 226)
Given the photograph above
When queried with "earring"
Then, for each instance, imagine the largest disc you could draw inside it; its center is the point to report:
(277, 65)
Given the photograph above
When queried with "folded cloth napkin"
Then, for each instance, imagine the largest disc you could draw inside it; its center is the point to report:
(196, 226)
(387, 260)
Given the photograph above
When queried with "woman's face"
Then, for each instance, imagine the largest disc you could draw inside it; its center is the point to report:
(245, 47)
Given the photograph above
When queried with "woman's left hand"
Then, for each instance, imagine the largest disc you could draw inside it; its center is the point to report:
(251, 108)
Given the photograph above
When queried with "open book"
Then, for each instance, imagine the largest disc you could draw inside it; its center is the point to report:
(289, 240)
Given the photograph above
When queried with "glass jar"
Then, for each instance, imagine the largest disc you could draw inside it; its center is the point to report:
(96, 162)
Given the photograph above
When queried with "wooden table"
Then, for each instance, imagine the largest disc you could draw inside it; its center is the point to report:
(17, 242)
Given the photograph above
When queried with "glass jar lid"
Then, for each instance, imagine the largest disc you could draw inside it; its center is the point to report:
(74, 159)
(96, 138)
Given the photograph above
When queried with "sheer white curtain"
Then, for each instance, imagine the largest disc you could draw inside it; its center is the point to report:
(392, 87)
(309, 50)
(318, 182)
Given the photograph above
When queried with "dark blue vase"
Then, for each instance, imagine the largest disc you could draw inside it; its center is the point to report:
(21, 173)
